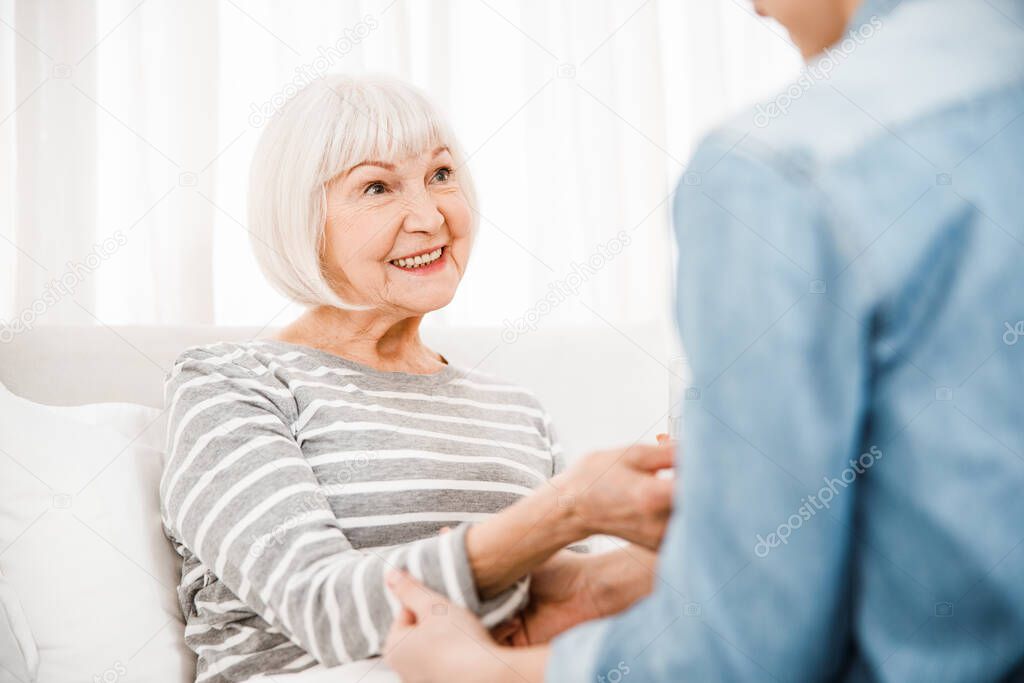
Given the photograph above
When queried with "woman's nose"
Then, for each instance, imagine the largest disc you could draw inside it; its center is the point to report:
(423, 214)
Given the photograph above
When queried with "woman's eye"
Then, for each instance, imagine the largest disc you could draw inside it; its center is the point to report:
(442, 175)
(375, 188)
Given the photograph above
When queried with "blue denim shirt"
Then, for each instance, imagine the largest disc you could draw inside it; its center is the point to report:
(850, 504)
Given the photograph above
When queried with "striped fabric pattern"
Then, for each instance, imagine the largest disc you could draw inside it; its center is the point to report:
(295, 479)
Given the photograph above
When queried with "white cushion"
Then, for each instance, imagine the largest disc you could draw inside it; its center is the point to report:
(147, 426)
(81, 542)
(19, 657)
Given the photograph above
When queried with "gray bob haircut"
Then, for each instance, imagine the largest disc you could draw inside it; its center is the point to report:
(330, 126)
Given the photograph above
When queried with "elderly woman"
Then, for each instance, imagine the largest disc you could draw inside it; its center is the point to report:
(304, 467)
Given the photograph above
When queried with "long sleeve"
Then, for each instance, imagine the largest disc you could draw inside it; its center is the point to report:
(239, 494)
(765, 497)
(558, 461)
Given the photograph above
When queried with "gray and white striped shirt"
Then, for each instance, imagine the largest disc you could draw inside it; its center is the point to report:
(296, 479)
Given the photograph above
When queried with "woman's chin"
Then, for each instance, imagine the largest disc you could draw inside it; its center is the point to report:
(425, 294)
(424, 302)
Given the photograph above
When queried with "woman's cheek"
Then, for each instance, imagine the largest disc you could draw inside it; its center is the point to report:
(463, 240)
(458, 215)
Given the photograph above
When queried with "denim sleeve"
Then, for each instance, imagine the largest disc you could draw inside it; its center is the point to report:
(753, 580)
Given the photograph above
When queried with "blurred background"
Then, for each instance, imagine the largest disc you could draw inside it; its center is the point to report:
(127, 126)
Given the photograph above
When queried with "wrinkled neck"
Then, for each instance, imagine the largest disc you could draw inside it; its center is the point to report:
(381, 340)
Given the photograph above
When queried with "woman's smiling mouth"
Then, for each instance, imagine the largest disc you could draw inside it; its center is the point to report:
(422, 263)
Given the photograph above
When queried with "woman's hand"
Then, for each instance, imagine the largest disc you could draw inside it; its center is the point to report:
(570, 589)
(617, 493)
(560, 597)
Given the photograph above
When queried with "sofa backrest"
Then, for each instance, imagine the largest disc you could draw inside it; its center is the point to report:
(602, 385)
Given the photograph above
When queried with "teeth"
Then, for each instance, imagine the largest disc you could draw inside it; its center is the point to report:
(417, 261)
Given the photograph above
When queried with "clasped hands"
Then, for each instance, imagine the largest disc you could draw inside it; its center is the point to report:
(613, 492)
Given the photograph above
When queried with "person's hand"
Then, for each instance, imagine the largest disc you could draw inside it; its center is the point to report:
(617, 492)
(562, 595)
(571, 588)
(509, 632)
(435, 641)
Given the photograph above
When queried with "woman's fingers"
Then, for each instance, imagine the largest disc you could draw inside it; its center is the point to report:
(651, 458)
(621, 493)
(520, 638)
(505, 631)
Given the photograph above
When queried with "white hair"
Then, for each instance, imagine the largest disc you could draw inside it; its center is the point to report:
(330, 126)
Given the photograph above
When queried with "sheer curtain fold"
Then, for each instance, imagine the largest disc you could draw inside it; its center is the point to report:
(131, 124)
(54, 213)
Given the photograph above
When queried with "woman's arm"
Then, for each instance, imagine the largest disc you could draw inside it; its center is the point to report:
(240, 495)
(611, 492)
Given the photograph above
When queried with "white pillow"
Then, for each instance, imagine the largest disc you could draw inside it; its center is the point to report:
(146, 425)
(18, 654)
(82, 546)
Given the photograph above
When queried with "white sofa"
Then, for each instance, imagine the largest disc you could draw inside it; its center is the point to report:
(87, 579)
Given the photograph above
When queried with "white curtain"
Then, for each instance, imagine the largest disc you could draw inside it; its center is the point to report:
(126, 129)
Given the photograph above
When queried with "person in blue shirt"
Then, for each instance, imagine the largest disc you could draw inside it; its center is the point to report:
(851, 298)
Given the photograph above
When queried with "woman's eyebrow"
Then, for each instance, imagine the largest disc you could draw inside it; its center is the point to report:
(389, 166)
(373, 162)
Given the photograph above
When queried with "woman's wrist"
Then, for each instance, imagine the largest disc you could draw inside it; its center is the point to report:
(508, 545)
(571, 498)
(563, 521)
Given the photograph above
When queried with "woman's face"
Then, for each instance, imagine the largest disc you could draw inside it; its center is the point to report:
(398, 233)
